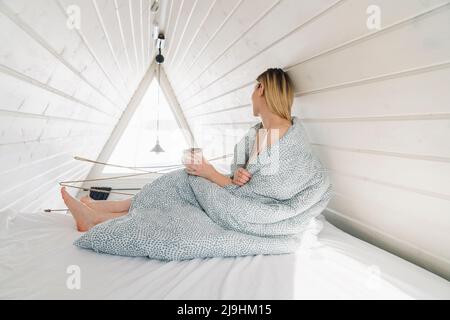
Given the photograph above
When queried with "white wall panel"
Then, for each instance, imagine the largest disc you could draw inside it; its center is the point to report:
(62, 90)
(375, 104)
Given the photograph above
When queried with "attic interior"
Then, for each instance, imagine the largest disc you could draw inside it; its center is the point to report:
(82, 84)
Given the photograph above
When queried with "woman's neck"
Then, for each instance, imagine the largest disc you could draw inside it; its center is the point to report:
(271, 121)
(274, 128)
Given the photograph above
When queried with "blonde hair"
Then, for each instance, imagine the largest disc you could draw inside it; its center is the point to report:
(278, 91)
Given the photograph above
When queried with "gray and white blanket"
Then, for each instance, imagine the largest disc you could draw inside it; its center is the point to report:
(181, 217)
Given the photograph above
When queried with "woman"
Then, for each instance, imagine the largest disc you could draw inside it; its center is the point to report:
(272, 100)
(278, 187)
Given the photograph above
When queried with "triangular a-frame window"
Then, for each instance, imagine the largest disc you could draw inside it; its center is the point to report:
(134, 148)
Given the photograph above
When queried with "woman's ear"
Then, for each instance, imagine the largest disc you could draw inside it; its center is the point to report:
(261, 90)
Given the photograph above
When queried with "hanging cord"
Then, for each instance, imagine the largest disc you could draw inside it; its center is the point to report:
(158, 102)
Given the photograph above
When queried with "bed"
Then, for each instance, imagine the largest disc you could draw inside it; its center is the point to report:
(36, 254)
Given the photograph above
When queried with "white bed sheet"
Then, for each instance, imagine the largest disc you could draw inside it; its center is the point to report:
(36, 250)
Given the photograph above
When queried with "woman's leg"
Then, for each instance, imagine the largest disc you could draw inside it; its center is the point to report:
(86, 217)
(107, 206)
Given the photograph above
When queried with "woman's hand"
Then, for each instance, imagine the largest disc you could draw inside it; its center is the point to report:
(202, 168)
(241, 177)
(199, 167)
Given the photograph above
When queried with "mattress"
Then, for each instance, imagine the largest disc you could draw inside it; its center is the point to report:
(39, 261)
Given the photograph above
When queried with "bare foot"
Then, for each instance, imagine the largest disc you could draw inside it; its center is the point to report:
(87, 200)
(94, 204)
(82, 214)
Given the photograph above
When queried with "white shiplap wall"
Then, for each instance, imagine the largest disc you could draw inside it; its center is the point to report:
(375, 103)
(63, 90)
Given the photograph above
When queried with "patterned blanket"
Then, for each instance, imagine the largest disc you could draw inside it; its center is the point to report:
(180, 216)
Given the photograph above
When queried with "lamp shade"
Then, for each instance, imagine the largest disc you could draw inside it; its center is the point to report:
(157, 148)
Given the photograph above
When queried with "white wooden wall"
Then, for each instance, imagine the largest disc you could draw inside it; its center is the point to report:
(376, 103)
(62, 90)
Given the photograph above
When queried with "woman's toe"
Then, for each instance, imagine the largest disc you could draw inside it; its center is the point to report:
(64, 193)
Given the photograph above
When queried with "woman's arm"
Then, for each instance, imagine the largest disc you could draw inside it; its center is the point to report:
(219, 179)
(204, 169)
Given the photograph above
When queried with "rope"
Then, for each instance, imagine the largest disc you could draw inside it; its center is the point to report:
(67, 184)
(96, 190)
(125, 167)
